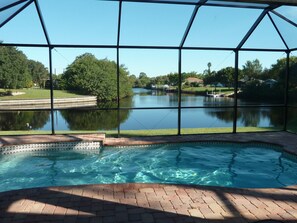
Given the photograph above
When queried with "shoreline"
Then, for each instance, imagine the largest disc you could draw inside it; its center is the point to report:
(23, 104)
(199, 93)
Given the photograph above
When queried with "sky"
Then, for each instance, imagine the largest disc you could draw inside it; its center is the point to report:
(95, 22)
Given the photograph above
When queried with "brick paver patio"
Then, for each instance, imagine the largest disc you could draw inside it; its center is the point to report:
(148, 203)
(154, 202)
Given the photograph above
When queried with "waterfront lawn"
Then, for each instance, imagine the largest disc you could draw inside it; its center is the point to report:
(188, 131)
(37, 93)
(153, 132)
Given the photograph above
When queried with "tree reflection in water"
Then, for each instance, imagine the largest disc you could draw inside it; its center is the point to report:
(108, 119)
(292, 119)
(250, 116)
(23, 120)
(97, 119)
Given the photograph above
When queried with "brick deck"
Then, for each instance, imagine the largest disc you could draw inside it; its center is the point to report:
(153, 202)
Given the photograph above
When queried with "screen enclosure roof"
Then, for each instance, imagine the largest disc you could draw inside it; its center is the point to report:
(176, 24)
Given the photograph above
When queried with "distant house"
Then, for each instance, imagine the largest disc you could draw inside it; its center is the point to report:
(241, 82)
(270, 82)
(194, 81)
(165, 86)
(219, 85)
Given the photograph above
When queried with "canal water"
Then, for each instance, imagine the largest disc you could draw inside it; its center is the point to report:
(213, 114)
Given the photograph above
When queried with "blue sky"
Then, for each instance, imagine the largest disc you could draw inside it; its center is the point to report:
(95, 22)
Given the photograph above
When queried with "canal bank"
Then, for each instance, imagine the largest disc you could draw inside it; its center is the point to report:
(206, 92)
(86, 101)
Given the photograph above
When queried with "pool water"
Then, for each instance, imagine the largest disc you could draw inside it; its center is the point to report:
(226, 164)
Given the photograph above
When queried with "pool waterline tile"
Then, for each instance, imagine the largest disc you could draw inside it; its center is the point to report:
(54, 146)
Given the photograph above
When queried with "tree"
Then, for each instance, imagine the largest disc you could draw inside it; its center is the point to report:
(22, 120)
(192, 74)
(132, 79)
(257, 89)
(97, 120)
(209, 66)
(143, 80)
(14, 73)
(293, 83)
(38, 72)
(173, 79)
(252, 70)
(90, 76)
(160, 80)
(209, 77)
(278, 70)
(225, 76)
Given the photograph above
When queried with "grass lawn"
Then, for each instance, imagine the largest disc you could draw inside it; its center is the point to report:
(186, 131)
(36, 93)
(157, 132)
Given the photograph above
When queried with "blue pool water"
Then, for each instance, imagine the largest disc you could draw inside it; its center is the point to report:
(226, 164)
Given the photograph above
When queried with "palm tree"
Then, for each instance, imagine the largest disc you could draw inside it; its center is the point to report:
(209, 65)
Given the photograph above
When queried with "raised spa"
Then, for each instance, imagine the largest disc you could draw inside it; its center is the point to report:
(206, 163)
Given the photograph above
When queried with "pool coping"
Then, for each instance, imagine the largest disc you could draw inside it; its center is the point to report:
(287, 141)
(44, 138)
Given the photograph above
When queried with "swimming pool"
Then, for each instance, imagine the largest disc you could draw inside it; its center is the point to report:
(205, 163)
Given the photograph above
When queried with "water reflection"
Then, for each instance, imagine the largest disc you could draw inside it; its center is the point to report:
(23, 120)
(218, 101)
(93, 120)
(211, 115)
(225, 115)
(96, 119)
(253, 117)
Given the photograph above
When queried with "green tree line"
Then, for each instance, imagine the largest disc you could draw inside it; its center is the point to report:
(85, 75)
(91, 76)
(254, 81)
(172, 79)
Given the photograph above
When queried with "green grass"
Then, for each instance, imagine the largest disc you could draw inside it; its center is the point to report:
(15, 133)
(36, 93)
(186, 131)
(155, 132)
(44, 132)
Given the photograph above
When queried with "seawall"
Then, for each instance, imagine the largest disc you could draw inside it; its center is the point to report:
(86, 101)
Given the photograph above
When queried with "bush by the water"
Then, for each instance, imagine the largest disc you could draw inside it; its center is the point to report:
(90, 76)
(256, 90)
